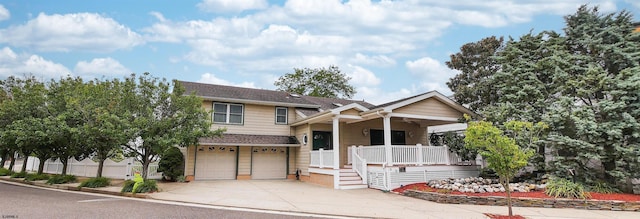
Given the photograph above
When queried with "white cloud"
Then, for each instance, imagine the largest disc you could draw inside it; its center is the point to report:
(4, 13)
(362, 76)
(232, 5)
(377, 96)
(432, 73)
(26, 64)
(635, 3)
(212, 79)
(376, 60)
(71, 32)
(101, 67)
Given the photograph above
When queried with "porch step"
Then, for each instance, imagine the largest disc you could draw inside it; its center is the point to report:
(349, 179)
(350, 182)
(361, 186)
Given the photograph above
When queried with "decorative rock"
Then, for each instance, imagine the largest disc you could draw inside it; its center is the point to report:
(481, 185)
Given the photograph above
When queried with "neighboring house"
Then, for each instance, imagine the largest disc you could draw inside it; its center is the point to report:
(278, 135)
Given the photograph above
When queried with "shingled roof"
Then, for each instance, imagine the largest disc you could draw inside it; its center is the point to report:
(308, 105)
(250, 140)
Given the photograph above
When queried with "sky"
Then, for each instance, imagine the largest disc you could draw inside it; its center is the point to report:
(390, 49)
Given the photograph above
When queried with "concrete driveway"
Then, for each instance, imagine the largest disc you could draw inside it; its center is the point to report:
(295, 196)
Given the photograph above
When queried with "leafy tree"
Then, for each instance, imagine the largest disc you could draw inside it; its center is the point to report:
(64, 121)
(162, 116)
(477, 65)
(104, 129)
(501, 152)
(319, 82)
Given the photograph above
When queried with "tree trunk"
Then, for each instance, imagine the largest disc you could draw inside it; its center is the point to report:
(13, 162)
(145, 169)
(509, 198)
(41, 164)
(3, 158)
(100, 165)
(24, 164)
(65, 163)
(609, 163)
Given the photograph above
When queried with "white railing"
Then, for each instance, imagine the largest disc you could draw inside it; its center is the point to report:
(359, 165)
(436, 155)
(322, 158)
(89, 168)
(373, 154)
(407, 155)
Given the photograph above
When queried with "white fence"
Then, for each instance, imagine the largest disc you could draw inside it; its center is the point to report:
(322, 158)
(88, 168)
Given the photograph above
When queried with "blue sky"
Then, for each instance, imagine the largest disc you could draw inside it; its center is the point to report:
(390, 49)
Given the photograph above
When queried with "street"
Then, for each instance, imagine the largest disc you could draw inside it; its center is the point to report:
(27, 202)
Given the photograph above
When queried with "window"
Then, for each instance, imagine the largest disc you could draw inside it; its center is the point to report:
(281, 115)
(227, 113)
(397, 137)
(322, 140)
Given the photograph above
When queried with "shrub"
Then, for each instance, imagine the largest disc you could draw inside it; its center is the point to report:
(96, 182)
(564, 188)
(127, 186)
(601, 187)
(5, 172)
(35, 177)
(181, 179)
(60, 179)
(19, 175)
(172, 163)
(145, 187)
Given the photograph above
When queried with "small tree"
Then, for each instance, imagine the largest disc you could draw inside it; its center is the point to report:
(501, 152)
(318, 82)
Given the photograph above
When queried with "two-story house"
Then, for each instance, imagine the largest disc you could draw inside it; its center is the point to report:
(333, 142)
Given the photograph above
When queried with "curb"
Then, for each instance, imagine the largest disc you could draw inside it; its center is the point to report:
(75, 188)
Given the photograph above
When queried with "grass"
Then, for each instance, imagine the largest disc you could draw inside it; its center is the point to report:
(95, 182)
(61, 179)
(564, 188)
(5, 172)
(36, 177)
(146, 187)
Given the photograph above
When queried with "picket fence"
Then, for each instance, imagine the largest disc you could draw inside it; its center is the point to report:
(88, 168)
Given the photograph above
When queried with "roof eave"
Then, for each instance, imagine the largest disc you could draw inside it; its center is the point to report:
(258, 102)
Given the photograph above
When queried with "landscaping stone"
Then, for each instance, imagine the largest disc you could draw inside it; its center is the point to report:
(525, 202)
(481, 185)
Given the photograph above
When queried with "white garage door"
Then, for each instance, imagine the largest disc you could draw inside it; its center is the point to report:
(216, 162)
(269, 163)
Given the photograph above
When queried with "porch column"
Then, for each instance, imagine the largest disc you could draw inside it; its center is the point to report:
(387, 139)
(336, 142)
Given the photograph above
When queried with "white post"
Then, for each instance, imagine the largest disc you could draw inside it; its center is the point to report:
(336, 142)
(446, 152)
(419, 160)
(321, 161)
(387, 139)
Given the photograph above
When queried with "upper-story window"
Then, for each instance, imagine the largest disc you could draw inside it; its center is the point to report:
(281, 115)
(228, 113)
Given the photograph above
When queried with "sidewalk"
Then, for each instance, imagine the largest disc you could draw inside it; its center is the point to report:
(295, 196)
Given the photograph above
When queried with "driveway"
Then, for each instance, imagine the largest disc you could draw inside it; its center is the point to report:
(295, 196)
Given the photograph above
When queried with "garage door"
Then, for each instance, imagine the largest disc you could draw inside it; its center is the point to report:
(216, 162)
(269, 163)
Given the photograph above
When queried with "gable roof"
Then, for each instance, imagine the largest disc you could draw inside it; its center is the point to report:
(390, 106)
(311, 105)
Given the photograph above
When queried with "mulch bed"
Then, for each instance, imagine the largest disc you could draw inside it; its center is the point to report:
(533, 194)
(499, 216)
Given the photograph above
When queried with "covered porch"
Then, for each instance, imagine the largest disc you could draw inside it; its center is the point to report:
(388, 144)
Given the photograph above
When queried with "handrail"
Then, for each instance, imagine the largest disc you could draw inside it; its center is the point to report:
(359, 164)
